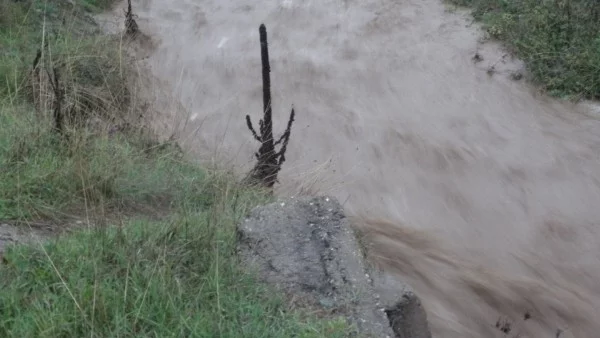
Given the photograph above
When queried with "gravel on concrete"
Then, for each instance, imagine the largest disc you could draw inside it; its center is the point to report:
(306, 248)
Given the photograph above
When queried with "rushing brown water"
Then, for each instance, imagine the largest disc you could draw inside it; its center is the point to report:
(481, 193)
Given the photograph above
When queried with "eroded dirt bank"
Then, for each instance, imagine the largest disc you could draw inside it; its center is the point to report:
(489, 191)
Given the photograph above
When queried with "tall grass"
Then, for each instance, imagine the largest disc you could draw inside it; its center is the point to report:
(558, 39)
(158, 257)
(178, 277)
(42, 174)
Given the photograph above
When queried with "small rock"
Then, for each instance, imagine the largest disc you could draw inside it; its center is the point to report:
(516, 76)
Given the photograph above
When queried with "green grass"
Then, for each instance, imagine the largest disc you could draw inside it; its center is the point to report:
(90, 64)
(558, 39)
(44, 176)
(156, 257)
(172, 274)
(177, 277)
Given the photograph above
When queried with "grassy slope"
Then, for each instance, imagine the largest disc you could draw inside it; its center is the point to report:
(558, 39)
(169, 273)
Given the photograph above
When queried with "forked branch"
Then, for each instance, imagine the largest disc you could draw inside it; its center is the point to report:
(269, 160)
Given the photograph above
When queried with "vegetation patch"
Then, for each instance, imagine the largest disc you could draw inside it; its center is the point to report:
(157, 256)
(558, 39)
(177, 277)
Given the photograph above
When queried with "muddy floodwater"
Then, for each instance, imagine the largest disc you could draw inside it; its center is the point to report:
(481, 192)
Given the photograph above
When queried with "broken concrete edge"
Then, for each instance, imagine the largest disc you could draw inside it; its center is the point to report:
(306, 247)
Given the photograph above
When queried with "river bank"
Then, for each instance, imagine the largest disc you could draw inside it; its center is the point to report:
(398, 119)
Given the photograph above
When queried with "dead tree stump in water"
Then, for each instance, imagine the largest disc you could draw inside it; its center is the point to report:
(269, 160)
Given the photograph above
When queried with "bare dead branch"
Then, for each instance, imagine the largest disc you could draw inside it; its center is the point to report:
(58, 99)
(288, 129)
(36, 61)
(249, 123)
(286, 138)
(269, 160)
